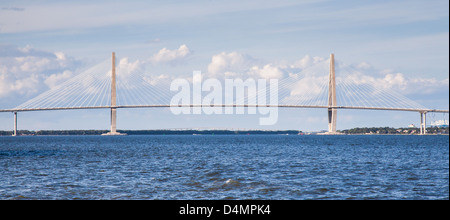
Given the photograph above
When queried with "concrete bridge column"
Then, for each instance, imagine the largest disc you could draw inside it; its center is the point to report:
(332, 112)
(113, 121)
(423, 122)
(113, 98)
(15, 124)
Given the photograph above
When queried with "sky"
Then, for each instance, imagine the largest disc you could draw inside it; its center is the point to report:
(398, 44)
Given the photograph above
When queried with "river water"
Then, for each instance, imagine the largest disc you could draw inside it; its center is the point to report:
(266, 167)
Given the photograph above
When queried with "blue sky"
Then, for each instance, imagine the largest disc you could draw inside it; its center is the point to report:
(43, 43)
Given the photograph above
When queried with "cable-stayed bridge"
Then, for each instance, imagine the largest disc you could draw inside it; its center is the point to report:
(104, 87)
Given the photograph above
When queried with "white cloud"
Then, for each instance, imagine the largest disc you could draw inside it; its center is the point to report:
(397, 80)
(305, 80)
(32, 64)
(157, 80)
(268, 71)
(415, 85)
(60, 56)
(170, 56)
(126, 68)
(308, 85)
(229, 62)
(27, 71)
(56, 79)
(386, 79)
(307, 62)
(26, 85)
(22, 86)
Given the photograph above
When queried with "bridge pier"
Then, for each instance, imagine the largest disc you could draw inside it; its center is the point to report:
(423, 123)
(113, 121)
(15, 124)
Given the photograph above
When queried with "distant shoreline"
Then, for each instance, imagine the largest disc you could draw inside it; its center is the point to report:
(151, 132)
(353, 131)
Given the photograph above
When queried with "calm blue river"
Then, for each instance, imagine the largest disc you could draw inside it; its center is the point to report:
(263, 167)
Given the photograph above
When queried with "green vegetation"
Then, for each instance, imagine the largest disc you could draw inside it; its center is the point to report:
(148, 132)
(373, 130)
(387, 130)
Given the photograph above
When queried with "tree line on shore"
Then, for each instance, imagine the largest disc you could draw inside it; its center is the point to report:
(388, 130)
(149, 132)
(364, 130)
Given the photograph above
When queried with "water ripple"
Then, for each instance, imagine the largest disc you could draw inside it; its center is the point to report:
(225, 167)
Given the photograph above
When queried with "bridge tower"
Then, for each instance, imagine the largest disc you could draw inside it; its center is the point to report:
(113, 98)
(332, 112)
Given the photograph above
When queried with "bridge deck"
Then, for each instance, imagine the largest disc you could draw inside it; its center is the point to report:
(230, 105)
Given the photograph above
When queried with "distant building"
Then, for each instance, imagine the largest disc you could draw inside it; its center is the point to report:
(411, 126)
(440, 123)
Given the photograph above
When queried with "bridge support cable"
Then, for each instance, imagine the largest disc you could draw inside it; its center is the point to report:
(322, 85)
(367, 91)
(81, 90)
(306, 88)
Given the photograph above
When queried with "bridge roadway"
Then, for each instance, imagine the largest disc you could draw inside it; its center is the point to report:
(228, 105)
